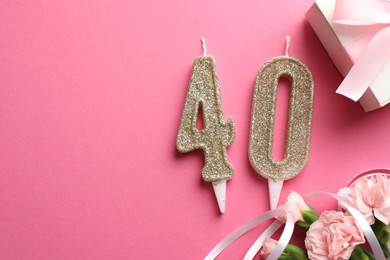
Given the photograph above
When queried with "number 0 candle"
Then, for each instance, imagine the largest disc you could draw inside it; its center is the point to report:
(204, 95)
(299, 121)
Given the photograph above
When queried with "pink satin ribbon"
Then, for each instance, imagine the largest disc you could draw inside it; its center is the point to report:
(369, 63)
(281, 245)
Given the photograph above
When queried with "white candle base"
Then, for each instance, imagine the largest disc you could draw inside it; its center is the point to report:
(274, 190)
(220, 194)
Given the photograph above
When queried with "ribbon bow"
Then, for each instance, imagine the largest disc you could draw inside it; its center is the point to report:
(377, 51)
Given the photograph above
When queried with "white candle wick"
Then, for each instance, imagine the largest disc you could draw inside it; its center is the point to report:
(204, 46)
(288, 41)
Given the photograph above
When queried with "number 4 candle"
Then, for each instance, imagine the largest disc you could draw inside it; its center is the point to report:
(204, 95)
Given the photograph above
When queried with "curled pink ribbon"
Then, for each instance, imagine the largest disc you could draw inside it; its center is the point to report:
(369, 63)
(281, 245)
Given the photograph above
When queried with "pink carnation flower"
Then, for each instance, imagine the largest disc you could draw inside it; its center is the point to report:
(268, 246)
(371, 196)
(294, 204)
(382, 199)
(333, 236)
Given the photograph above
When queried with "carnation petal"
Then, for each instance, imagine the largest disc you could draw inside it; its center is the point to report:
(333, 236)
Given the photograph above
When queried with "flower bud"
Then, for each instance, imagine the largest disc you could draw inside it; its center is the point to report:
(309, 216)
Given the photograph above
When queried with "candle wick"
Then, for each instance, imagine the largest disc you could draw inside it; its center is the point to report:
(204, 46)
(288, 41)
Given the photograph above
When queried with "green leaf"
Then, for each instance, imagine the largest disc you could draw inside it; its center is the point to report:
(309, 216)
(293, 253)
(382, 233)
(303, 225)
(358, 254)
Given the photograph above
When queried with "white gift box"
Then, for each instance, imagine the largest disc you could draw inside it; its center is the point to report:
(341, 44)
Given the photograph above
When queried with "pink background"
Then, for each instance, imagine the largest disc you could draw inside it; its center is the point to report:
(91, 95)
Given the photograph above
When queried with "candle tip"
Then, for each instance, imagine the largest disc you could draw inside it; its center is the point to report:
(220, 194)
(274, 190)
(288, 41)
(204, 46)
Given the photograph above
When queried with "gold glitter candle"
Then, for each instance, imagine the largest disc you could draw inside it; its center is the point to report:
(299, 121)
(203, 92)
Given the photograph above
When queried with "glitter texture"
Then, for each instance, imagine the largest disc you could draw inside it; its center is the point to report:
(216, 135)
(299, 120)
